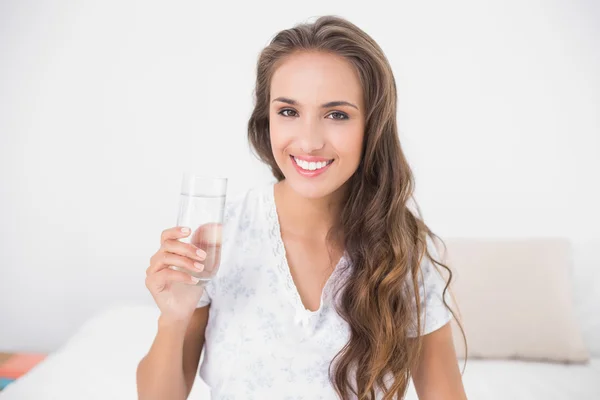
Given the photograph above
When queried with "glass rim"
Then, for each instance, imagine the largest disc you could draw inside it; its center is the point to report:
(198, 184)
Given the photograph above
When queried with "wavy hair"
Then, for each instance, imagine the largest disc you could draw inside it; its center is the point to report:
(384, 240)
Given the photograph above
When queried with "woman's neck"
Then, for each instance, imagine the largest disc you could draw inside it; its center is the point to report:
(306, 217)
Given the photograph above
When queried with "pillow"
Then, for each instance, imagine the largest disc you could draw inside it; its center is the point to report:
(99, 361)
(514, 299)
(586, 291)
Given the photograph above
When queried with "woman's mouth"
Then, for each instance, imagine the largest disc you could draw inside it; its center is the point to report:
(311, 168)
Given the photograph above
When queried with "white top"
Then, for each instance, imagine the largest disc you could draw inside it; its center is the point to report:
(261, 342)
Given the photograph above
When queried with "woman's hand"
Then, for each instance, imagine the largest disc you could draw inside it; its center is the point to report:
(175, 291)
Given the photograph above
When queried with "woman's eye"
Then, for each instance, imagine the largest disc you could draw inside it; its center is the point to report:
(287, 113)
(338, 115)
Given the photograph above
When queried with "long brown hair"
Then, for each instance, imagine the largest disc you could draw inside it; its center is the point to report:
(384, 240)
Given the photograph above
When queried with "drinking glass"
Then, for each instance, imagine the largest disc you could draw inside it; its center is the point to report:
(201, 208)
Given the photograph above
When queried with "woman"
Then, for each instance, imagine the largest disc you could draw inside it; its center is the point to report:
(324, 273)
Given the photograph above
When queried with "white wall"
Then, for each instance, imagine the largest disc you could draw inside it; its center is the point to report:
(104, 103)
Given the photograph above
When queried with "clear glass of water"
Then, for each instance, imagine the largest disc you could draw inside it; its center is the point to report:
(201, 208)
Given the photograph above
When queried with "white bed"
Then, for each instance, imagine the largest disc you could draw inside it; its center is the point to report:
(100, 360)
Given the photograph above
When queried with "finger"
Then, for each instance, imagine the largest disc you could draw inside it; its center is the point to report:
(162, 279)
(184, 249)
(177, 232)
(166, 259)
(207, 235)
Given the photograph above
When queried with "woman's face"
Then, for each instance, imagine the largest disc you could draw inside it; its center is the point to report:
(316, 122)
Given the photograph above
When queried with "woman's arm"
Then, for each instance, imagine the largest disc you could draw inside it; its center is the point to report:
(169, 369)
(437, 376)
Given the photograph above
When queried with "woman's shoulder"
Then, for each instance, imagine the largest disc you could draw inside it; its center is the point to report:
(247, 203)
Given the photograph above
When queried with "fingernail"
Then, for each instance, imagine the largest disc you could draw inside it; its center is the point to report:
(199, 267)
(201, 253)
(185, 230)
(194, 279)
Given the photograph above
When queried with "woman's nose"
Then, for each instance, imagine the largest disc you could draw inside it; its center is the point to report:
(311, 138)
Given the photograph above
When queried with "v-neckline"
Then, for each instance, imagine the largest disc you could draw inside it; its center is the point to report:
(283, 265)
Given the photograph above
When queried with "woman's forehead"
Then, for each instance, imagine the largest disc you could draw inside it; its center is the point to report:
(313, 78)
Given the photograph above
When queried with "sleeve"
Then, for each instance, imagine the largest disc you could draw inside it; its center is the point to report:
(206, 295)
(434, 313)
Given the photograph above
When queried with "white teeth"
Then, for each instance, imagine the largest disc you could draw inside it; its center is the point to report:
(310, 166)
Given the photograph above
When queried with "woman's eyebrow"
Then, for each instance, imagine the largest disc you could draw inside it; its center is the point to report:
(326, 105)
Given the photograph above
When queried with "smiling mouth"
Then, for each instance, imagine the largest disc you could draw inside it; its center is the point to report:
(311, 165)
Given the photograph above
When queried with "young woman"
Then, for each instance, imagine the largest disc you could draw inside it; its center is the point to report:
(324, 273)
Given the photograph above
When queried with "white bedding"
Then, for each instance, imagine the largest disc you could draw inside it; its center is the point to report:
(100, 360)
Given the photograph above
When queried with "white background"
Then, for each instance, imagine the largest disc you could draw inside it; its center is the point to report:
(103, 105)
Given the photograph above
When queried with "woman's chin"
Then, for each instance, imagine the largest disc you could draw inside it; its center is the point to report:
(313, 189)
